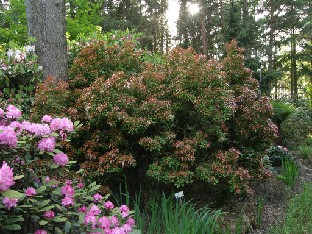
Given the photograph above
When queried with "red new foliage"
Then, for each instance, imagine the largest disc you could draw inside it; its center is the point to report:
(183, 120)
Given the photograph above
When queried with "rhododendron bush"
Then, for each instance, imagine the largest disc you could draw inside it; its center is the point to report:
(38, 194)
(184, 120)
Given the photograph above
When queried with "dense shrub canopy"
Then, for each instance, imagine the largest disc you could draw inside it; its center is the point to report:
(182, 120)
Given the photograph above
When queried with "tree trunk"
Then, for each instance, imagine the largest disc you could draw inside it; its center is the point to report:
(46, 23)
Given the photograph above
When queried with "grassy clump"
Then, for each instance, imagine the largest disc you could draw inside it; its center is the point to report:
(171, 216)
(299, 214)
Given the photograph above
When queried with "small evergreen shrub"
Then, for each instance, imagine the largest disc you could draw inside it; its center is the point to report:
(281, 111)
(296, 128)
(277, 154)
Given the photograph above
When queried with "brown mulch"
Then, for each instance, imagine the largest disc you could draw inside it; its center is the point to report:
(242, 214)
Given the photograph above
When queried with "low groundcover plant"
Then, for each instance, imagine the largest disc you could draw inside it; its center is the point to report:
(37, 194)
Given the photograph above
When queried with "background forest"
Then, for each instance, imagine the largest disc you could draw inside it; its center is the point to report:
(276, 35)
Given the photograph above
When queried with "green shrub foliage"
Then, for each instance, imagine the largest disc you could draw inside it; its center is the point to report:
(296, 128)
(183, 120)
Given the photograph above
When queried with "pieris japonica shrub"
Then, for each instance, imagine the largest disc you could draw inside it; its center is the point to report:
(184, 120)
(38, 193)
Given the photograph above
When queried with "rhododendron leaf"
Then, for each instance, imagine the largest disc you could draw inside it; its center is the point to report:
(67, 226)
(57, 151)
(18, 177)
(13, 219)
(81, 217)
(51, 182)
(58, 230)
(76, 123)
(57, 192)
(43, 222)
(54, 134)
(53, 166)
(41, 189)
(21, 142)
(49, 207)
(95, 188)
(12, 227)
(12, 194)
(44, 203)
(59, 219)
(25, 206)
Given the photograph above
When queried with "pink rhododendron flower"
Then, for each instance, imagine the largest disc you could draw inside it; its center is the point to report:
(80, 185)
(46, 118)
(117, 230)
(68, 182)
(41, 232)
(67, 201)
(15, 124)
(90, 218)
(60, 159)
(30, 191)
(12, 112)
(49, 214)
(97, 197)
(126, 228)
(1, 112)
(37, 129)
(68, 190)
(109, 205)
(9, 203)
(103, 222)
(62, 124)
(131, 221)
(114, 220)
(8, 136)
(6, 177)
(82, 209)
(124, 208)
(94, 210)
(47, 144)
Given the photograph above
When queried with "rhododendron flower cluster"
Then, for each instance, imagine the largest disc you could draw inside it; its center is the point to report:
(47, 144)
(30, 191)
(60, 159)
(9, 202)
(6, 177)
(109, 224)
(45, 193)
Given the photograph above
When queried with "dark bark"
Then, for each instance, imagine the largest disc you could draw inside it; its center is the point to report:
(46, 23)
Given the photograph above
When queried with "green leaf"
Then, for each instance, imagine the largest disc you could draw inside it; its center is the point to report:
(67, 226)
(57, 151)
(44, 203)
(58, 230)
(41, 189)
(43, 222)
(13, 227)
(54, 166)
(13, 220)
(12, 194)
(59, 219)
(135, 232)
(18, 177)
(80, 171)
